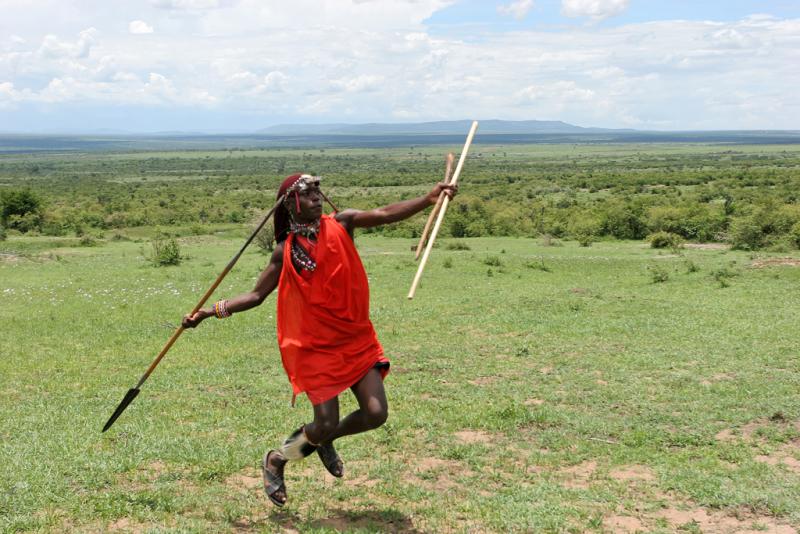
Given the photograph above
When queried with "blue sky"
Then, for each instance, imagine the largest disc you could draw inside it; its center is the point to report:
(241, 65)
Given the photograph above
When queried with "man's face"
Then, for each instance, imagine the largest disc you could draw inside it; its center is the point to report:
(310, 203)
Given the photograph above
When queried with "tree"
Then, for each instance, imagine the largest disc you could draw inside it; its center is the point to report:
(20, 209)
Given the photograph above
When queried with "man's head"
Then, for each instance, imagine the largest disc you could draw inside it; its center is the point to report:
(302, 203)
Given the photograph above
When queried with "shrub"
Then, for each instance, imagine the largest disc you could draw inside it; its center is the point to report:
(585, 231)
(165, 252)
(457, 245)
(794, 234)
(747, 234)
(538, 265)
(665, 240)
(3, 234)
(546, 240)
(265, 239)
(448, 263)
(723, 275)
(492, 261)
(87, 241)
(658, 274)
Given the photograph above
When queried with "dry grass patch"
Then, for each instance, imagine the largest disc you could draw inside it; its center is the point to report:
(775, 262)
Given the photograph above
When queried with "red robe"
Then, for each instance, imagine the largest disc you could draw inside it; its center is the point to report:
(326, 339)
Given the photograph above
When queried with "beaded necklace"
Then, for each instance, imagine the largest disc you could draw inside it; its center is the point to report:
(305, 229)
(301, 258)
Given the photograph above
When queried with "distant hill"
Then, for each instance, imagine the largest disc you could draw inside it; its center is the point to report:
(487, 127)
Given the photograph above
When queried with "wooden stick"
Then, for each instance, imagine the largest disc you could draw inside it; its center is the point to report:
(447, 176)
(442, 211)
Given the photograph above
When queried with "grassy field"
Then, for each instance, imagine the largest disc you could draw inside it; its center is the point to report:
(534, 388)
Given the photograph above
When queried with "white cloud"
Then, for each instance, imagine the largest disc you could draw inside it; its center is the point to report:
(137, 27)
(376, 60)
(517, 9)
(596, 9)
(52, 47)
(360, 84)
(189, 4)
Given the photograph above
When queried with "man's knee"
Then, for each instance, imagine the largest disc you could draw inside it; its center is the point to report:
(377, 416)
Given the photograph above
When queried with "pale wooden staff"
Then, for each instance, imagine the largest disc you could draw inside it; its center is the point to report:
(442, 211)
(447, 176)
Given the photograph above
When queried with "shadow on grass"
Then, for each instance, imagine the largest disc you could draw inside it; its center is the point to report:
(384, 520)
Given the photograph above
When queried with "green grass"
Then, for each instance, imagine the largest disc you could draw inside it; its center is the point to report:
(566, 366)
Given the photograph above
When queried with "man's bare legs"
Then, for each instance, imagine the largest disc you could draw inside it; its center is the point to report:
(372, 412)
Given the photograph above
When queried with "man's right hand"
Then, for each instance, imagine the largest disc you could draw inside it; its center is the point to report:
(190, 321)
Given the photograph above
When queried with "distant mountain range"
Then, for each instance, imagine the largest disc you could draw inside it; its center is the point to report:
(460, 127)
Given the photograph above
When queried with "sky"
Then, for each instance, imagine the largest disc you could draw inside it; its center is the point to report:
(241, 65)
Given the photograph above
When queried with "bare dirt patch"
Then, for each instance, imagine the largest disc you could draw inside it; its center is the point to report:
(484, 380)
(747, 432)
(6, 257)
(246, 479)
(362, 481)
(578, 476)
(707, 246)
(437, 474)
(719, 522)
(473, 436)
(775, 262)
(623, 523)
(781, 457)
(534, 402)
(633, 472)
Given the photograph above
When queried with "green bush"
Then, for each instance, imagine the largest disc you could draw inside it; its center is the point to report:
(492, 261)
(658, 274)
(746, 233)
(87, 241)
(457, 245)
(165, 252)
(665, 240)
(3, 234)
(265, 239)
(794, 234)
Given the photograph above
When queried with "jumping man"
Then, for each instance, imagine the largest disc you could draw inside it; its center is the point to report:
(326, 339)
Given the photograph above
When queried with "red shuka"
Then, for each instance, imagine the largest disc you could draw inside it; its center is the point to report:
(326, 339)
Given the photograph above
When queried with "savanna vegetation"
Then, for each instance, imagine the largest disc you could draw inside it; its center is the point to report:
(744, 195)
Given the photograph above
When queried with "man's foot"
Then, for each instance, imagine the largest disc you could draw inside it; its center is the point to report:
(330, 459)
(272, 470)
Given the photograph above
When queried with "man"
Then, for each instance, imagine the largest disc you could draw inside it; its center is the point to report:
(326, 339)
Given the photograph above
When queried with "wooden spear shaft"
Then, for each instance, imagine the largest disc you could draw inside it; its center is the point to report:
(442, 211)
(435, 211)
(134, 391)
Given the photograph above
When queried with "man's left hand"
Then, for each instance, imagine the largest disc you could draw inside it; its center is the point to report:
(449, 190)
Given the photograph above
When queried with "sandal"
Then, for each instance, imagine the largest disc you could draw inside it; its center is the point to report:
(272, 482)
(331, 460)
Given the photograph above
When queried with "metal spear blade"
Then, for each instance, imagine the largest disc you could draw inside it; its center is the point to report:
(129, 396)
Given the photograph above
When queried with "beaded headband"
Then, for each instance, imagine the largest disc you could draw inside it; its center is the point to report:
(303, 183)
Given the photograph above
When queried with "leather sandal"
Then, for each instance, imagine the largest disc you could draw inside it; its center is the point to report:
(331, 460)
(272, 482)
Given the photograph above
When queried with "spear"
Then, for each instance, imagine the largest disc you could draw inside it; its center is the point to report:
(133, 392)
(442, 211)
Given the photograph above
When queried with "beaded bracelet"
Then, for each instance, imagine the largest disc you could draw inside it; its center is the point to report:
(221, 309)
